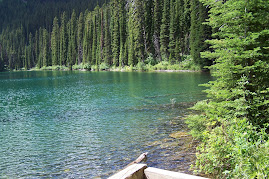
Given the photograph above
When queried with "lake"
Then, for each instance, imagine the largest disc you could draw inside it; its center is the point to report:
(63, 124)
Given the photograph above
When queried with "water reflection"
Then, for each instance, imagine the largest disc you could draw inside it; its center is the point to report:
(90, 124)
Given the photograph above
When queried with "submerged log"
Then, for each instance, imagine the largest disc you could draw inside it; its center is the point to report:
(141, 158)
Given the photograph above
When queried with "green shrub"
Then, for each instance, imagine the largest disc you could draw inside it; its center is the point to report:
(95, 67)
(150, 60)
(173, 67)
(189, 64)
(162, 65)
(103, 66)
(140, 66)
(86, 66)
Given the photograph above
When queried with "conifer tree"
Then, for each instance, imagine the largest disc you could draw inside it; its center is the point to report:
(198, 33)
(179, 28)
(69, 47)
(164, 33)
(131, 54)
(63, 40)
(138, 32)
(101, 35)
(36, 48)
(86, 38)
(116, 33)
(157, 24)
(55, 42)
(40, 55)
(186, 28)
(80, 27)
(172, 32)
(107, 38)
(233, 123)
(45, 52)
(94, 39)
(149, 26)
(122, 29)
(73, 38)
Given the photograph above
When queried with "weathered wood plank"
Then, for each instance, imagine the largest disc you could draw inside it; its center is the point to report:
(155, 173)
(135, 171)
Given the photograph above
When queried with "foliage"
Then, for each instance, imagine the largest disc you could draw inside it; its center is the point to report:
(189, 64)
(116, 33)
(233, 123)
(103, 66)
(162, 65)
(52, 68)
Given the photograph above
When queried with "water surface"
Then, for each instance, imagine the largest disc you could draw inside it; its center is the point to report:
(91, 124)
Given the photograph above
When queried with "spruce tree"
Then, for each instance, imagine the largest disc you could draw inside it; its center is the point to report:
(55, 42)
(233, 123)
(45, 46)
(107, 38)
(63, 40)
(172, 33)
(80, 27)
(199, 31)
(122, 29)
(116, 33)
(164, 33)
(138, 30)
(94, 39)
(149, 26)
(156, 26)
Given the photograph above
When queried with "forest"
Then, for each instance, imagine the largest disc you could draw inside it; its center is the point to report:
(99, 35)
(229, 37)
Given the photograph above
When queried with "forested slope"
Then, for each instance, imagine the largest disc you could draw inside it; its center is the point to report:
(117, 33)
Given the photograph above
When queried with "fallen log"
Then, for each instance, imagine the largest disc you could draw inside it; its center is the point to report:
(141, 158)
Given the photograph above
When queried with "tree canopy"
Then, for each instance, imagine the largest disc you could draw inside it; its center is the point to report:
(117, 33)
(233, 122)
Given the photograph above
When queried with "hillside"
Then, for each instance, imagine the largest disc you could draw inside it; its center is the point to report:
(119, 33)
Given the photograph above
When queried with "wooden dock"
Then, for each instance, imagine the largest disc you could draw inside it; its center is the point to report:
(141, 171)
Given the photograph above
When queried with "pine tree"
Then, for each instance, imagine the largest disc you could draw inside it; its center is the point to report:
(40, 55)
(45, 52)
(36, 48)
(116, 33)
(179, 29)
(86, 39)
(94, 39)
(63, 40)
(164, 33)
(233, 123)
(157, 24)
(122, 29)
(107, 38)
(80, 27)
(149, 26)
(138, 32)
(172, 33)
(185, 45)
(31, 51)
(55, 42)
(72, 47)
(198, 33)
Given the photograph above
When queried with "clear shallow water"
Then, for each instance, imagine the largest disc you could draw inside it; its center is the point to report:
(90, 124)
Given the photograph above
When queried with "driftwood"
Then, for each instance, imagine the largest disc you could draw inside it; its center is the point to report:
(141, 158)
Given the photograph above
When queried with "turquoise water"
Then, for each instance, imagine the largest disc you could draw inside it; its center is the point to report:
(61, 124)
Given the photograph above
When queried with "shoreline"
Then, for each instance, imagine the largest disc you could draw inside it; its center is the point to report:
(110, 69)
